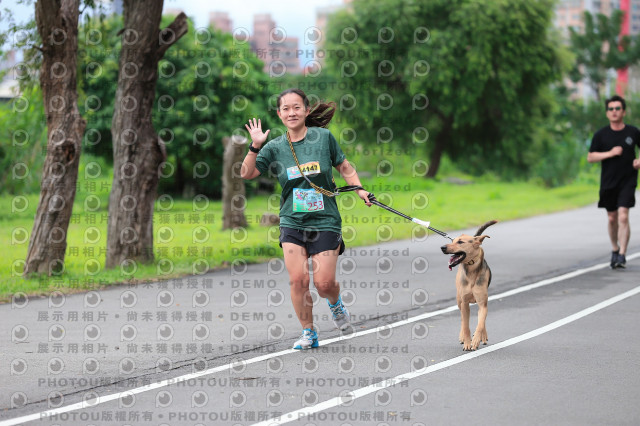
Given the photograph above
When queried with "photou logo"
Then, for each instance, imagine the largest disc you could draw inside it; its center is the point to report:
(127, 400)
(18, 367)
(90, 366)
(126, 366)
(309, 398)
(239, 332)
(55, 399)
(274, 398)
(275, 298)
(200, 332)
(383, 364)
(237, 399)
(384, 297)
(239, 298)
(18, 399)
(418, 397)
(275, 365)
(199, 399)
(238, 366)
(164, 398)
(419, 331)
(346, 365)
(310, 365)
(382, 398)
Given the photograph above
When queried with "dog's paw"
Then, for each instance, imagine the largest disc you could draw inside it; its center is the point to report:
(479, 337)
(468, 346)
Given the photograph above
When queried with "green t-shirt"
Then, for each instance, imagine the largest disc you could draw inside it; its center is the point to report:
(301, 207)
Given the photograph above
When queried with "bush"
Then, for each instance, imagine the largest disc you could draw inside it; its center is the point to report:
(23, 136)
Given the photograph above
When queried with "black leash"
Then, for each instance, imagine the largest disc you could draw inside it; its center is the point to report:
(373, 200)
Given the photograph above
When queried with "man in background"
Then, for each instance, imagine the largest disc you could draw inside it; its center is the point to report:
(614, 145)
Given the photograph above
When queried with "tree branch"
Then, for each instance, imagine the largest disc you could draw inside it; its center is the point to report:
(172, 33)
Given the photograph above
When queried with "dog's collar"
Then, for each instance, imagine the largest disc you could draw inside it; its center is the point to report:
(471, 262)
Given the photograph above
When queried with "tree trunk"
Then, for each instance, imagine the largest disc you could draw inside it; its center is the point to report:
(137, 150)
(438, 149)
(57, 23)
(233, 191)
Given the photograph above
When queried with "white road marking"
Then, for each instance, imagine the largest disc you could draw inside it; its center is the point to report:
(167, 382)
(359, 393)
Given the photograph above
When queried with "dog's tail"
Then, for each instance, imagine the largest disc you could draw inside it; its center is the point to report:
(485, 226)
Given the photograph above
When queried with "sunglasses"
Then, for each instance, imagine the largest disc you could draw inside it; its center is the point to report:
(614, 108)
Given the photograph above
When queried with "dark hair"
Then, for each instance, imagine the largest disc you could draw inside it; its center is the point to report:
(321, 112)
(616, 98)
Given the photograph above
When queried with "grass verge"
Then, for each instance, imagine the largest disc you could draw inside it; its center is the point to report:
(189, 239)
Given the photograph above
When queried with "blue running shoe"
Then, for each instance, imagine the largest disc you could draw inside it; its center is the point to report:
(341, 316)
(308, 339)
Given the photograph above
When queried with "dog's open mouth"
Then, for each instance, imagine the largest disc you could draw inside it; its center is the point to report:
(456, 259)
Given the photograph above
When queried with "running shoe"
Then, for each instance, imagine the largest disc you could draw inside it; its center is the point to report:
(308, 339)
(614, 259)
(341, 317)
(621, 261)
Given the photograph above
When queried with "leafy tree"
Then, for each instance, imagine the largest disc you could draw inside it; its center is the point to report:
(469, 74)
(98, 50)
(23, 135)
(208, 85)
(600, 48)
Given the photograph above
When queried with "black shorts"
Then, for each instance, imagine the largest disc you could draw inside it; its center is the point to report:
(314, 241)
(623, 195)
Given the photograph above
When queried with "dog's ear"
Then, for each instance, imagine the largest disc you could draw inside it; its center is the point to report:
(477, 241)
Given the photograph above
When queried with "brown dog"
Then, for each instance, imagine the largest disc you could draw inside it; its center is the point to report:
(472, 283)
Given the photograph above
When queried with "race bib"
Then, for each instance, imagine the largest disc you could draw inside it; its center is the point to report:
(307, 200)
(310, 168)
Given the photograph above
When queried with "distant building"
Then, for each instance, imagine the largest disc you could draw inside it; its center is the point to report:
(270, 43)
(221, 21)
(570, 14)
(274, 47)
(9, 84)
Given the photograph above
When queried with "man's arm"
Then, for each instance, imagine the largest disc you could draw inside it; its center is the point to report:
(596, 157)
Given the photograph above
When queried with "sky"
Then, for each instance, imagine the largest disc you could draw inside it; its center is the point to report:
(295, 17)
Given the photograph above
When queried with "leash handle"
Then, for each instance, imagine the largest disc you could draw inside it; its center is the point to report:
(349, 188)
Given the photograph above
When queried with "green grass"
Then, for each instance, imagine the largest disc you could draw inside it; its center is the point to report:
(447, 205)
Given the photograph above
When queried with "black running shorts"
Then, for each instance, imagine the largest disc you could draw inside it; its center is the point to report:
(314, 241)
(622, 195)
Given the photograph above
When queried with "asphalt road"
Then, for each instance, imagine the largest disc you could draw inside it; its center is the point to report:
(215, 349)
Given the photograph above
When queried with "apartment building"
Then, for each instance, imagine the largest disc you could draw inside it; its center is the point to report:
(570, 13)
